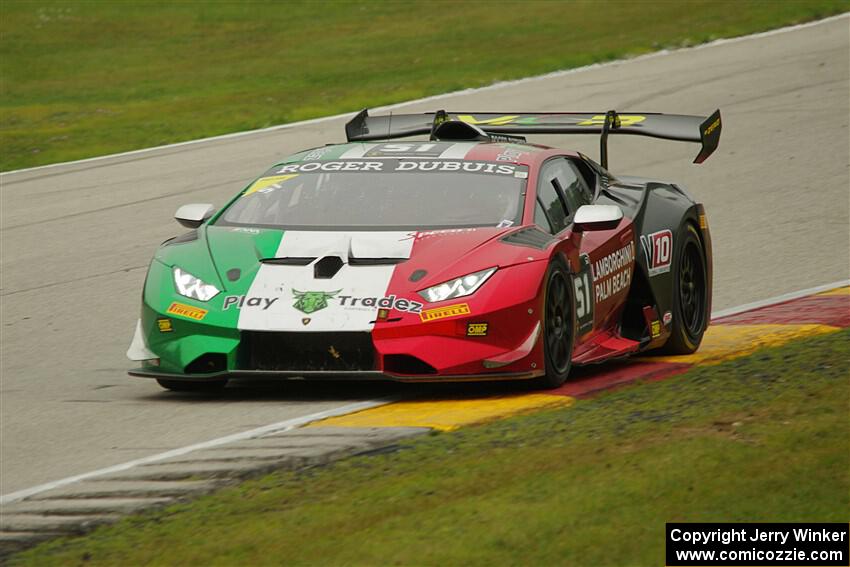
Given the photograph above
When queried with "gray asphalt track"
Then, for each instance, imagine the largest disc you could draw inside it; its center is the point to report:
(76, 238)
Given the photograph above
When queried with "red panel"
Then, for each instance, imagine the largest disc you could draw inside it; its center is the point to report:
(609, 299)
(817, 309)
(530, 155)
(509, 303)
(586, 381)
(603, 346)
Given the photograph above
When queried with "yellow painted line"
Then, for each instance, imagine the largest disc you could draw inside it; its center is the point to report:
(837, 291)
(445, 414)
(725, 342)
(721, 343)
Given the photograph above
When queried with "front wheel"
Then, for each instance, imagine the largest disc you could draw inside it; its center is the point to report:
(690, 296)
(185, 386)
(559, 324)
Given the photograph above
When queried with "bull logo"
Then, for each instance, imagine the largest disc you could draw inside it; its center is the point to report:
(312, 301)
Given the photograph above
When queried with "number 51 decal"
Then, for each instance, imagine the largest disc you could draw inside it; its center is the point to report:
(584, 296)
(415, 149)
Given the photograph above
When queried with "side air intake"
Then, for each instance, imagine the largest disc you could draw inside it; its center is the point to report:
(407, 365)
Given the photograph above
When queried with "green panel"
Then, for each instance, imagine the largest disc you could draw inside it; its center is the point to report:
(193, 327)
(186, 339)
(160, 294)
(241, 248)
(323, 153)
(192, 257)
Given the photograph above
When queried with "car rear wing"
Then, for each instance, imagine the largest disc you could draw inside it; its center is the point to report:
(506, 125)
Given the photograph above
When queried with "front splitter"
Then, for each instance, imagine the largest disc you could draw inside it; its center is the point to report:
(328, 375)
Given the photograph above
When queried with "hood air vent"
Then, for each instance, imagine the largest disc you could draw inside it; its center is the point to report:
(375, 261)
(327, 267)
(530, 237)
(289, 261)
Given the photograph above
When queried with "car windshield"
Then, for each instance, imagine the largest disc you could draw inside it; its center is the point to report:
(382, 194)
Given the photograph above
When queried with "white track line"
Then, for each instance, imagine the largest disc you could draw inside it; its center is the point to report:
(494, 86)
(342, 410)
(779, 299)
(264, 430)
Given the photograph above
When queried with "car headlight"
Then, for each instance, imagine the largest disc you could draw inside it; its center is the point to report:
(458, 287)
(190, 286)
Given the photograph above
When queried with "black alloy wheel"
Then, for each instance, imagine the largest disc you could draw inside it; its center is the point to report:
(690, 296)
(558, 326)
(692, 290)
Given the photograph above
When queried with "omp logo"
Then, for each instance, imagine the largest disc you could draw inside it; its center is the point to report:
(187, 311)
(476, 329)
(711, 127)
(625, 120)
(445, 312)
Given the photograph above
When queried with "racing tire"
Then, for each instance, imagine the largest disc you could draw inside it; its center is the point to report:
(559, 326)
(185, 386)
(690, 299)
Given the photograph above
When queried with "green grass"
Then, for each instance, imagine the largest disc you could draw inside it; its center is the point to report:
(765, 438)
(85, 78)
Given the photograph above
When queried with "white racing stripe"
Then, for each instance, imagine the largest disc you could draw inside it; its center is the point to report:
(341, 410)
(357, 151)
(306, 303)
(408, 150)
(458, 150)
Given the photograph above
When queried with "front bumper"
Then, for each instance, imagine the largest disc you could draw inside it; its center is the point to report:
(434, 352)
(235, 358)
(493, 335)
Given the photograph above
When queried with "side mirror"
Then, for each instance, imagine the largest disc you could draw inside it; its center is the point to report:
(192, 216)
(597, 217)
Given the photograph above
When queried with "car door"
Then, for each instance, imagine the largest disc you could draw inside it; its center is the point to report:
(611, 253)
(606, 257)
(554, 212)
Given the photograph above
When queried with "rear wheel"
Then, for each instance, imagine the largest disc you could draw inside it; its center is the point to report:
(185, 386)
(558, 326)
(690, 296)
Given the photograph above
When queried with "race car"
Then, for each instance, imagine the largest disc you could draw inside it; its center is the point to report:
(467, 254)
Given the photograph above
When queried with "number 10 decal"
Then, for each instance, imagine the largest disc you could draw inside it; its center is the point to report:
(584, 296)
(658, 248)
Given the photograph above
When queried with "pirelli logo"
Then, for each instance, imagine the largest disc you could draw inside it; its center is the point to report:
(444, 312)
(711, 127)
(187, 311)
